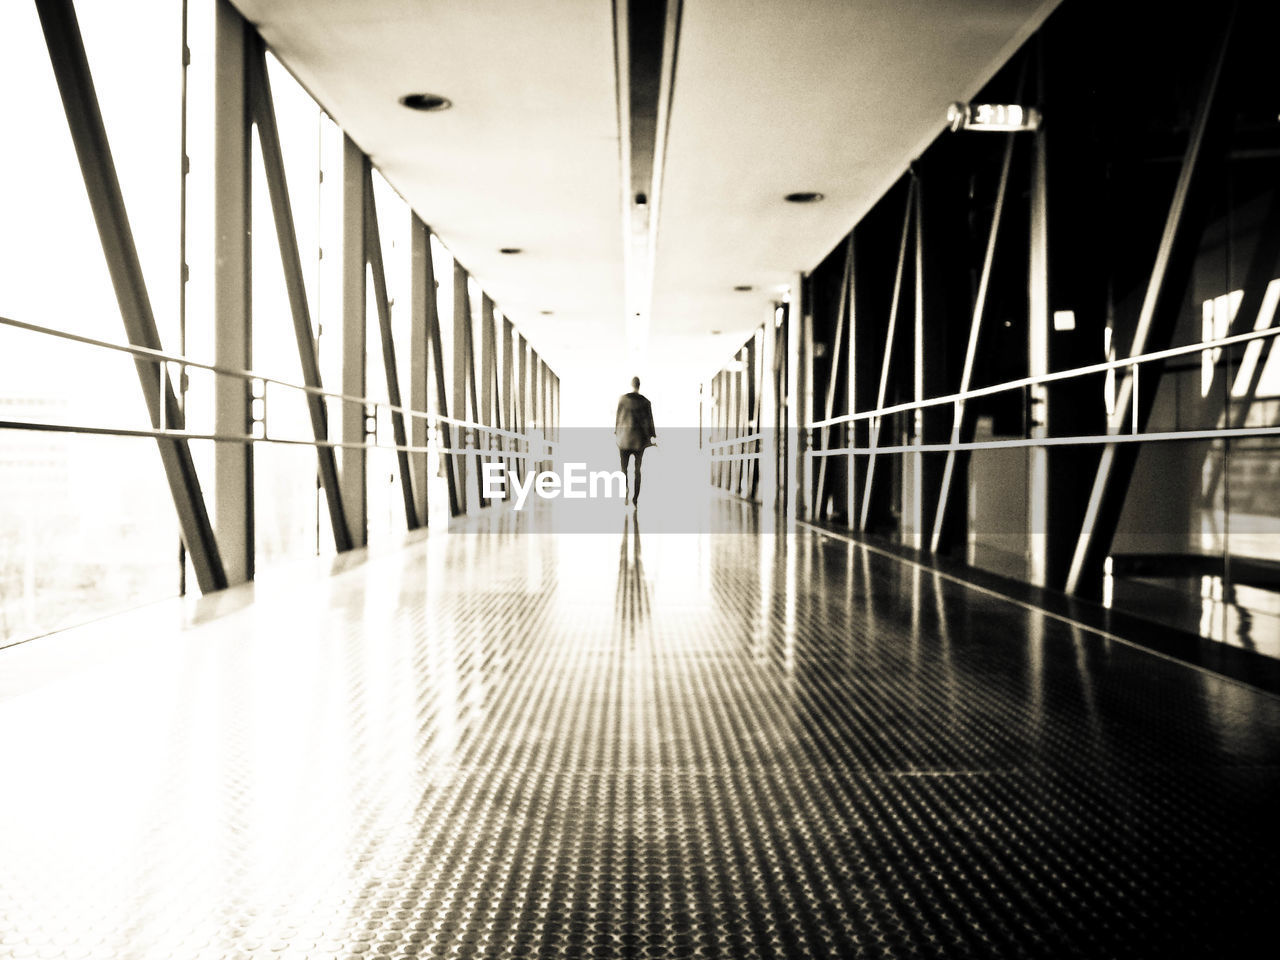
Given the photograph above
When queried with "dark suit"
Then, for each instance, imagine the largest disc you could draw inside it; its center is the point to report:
(633, 430)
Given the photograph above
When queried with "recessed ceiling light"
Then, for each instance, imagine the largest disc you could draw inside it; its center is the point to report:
(425, 101)
(511, 250)
(805, 196)
(743, 287)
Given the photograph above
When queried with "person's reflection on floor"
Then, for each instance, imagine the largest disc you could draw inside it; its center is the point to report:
(631, 603)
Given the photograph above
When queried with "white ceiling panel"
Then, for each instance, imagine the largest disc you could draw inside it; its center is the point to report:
(770, 96)
(805, 95)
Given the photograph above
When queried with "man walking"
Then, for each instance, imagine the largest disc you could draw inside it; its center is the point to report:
(634, 430)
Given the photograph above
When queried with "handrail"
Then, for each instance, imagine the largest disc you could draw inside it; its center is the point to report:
(1107, 439)
(1102, 367)
(733, 441)
(162, 356)
(548, 451)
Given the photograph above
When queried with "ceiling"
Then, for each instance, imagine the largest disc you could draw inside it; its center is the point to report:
(769, 97)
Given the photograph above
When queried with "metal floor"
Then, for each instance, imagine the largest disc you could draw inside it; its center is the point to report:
(631, 745)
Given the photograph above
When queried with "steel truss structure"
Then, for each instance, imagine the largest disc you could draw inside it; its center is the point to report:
(890, 448)
(517, 413)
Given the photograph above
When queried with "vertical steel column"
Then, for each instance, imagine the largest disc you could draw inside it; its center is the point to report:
(868, 483)
(740, 418)
(491, 388)
(830, 404)
(718, 429)
(489, 394)
(1159, 306)
(1038, 360)
(971, 348)
(428, 283)
(555, 406)
(521, 395)
(93, 151)
(507, 392)
(769, 442)
(726, 433)
(291, 264)
(535, 385)
(733, 376)
(778, 416)
(529, 361)
(805, 393)
(354, 479)
(373, 256)
(551, 403)
(232, 293)
(753, 416)
(539, 396)
(744, 417)
(463, 374)
(420, 296)
(851, 429)
(731, 422)
(913, 533)
(793, 398)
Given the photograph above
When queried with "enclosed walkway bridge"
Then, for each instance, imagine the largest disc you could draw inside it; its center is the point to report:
(947, 624)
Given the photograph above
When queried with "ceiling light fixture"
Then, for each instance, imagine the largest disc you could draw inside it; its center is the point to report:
(743, 287)
(510, 250)
(804, 196)
(426, 102)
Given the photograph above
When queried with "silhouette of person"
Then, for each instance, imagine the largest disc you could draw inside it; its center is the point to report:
(634, 431)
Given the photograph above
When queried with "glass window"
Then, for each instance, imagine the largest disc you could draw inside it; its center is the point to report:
(86, 525)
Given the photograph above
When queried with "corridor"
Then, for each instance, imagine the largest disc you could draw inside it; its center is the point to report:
(734, 744)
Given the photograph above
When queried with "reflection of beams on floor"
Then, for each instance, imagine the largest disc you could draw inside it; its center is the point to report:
(1245, 571)
(508, 744)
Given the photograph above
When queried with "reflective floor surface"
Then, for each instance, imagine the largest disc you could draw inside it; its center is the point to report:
(492, 744)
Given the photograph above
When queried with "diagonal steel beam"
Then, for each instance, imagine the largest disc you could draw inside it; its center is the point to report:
(837, 343)
(1210, 127)
(437, 366)
(419, 363)
(461, 378)
(97, 166)
(373, 257)
(971, 348)
(888, 355)
(264, 116)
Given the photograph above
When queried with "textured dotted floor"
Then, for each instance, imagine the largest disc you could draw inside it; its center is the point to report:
(628, 745)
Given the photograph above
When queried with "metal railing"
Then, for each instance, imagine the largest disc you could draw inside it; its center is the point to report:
(259, 384)
(733, 442)
(1128, 399)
